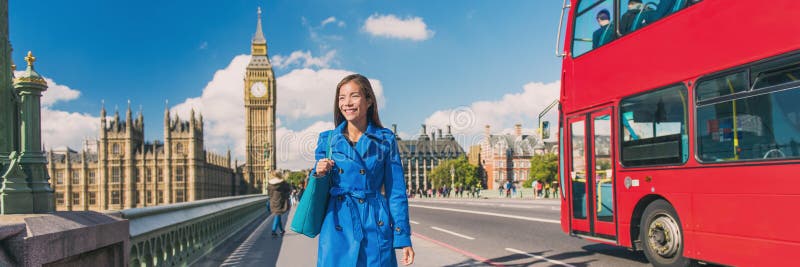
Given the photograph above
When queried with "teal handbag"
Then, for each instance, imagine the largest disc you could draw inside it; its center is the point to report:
(313, 204)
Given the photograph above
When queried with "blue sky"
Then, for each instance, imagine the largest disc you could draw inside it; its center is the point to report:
(473, 56)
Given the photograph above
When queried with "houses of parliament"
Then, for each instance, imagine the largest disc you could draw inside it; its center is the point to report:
(125, 171)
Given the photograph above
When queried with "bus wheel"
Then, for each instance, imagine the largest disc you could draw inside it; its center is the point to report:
(662, 236)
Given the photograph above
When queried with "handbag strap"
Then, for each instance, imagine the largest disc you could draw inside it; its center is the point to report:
(330, 136)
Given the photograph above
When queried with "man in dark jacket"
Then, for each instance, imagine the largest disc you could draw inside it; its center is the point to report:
(605, 33)
(627, 21)
(279, 192)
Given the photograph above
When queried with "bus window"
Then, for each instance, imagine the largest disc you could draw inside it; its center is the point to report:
(782, 76)
(604, 197)
(638, 13)
(578, 170)
(654, 128)
(755, 126)
(593, 26)
(722, 86)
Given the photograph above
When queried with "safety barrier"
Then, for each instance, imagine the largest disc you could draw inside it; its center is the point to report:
(180, 234)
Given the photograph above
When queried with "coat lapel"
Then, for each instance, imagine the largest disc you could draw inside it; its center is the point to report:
(341, 145)
(367, 143)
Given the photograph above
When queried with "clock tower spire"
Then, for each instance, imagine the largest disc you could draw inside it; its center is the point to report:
(259, 106)
(258, 47)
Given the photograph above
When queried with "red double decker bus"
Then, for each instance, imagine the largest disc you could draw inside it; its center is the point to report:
(680, 128)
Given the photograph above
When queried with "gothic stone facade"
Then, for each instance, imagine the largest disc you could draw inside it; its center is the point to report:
(125, 172)
(420, 156)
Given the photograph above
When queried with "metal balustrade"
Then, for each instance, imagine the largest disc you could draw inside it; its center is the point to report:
(179, 234)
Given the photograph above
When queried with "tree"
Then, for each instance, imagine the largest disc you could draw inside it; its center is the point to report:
(543, 168)
(296, 178)
(465, 174)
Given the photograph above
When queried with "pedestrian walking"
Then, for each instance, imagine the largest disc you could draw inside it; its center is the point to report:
(279, 192)
(539, 186)
(362, 227)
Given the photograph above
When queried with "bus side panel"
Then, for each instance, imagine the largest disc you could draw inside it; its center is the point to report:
(664, 184)
(747, 215)
(743, 251)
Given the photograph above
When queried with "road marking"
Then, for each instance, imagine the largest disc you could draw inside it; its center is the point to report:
(539, 257)
(490, 214)
(452, 233)
(463, 252)
(492, 204)
(414, 222)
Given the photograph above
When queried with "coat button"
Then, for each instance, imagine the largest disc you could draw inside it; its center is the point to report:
(397, 229)
(341, 198)
(361, 201)
(363, 171)
(380, 223)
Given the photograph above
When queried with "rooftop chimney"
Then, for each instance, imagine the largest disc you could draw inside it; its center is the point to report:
(423, 135)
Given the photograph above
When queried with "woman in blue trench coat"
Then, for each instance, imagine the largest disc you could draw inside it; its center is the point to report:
(367, 214)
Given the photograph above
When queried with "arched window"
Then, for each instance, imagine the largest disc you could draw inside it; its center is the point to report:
(179, 148)
(115, 149)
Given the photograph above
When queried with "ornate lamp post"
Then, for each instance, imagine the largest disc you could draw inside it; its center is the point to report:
(26, 188)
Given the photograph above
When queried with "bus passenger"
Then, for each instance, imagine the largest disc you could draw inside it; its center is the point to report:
(664, 8)
(627, 21)
(605, 33)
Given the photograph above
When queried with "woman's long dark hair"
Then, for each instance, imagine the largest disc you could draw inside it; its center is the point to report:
(366, 91)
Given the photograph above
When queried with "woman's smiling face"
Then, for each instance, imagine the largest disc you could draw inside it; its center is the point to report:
(352, 102)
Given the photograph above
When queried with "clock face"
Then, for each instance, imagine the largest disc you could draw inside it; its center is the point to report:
(258, 89)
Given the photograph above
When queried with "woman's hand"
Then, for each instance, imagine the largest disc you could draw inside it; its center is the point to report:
(408, 255)
(323, 166)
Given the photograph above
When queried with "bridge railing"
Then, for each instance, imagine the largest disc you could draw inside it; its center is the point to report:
(180, 234)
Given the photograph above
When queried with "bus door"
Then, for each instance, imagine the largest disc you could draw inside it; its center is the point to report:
(591, 175)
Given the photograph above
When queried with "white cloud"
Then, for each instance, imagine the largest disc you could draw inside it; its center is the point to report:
(203, 45)
(405, 135)
(307, 93)
(302, 94)
(221, 104)
(317, 35)
(62, 128)
(304, 59)
(55, 92)
(296, 148)
(390, 26)
(330, 20)
(468, 122)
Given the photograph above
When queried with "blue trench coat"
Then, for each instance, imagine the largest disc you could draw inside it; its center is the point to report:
(363, 225)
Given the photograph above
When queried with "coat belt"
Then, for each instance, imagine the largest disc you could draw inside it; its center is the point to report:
(349, 198)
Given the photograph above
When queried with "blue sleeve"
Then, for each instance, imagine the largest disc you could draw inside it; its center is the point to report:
(395, 186)
(322, 149)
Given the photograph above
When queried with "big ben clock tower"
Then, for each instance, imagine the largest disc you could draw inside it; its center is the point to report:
(259, 108)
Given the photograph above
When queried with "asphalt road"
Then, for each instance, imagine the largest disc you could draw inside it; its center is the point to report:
(452, 233)
(511, 233)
